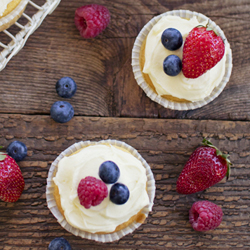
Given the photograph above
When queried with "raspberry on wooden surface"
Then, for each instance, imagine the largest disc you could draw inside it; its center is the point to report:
(91, 20)
(205, 215)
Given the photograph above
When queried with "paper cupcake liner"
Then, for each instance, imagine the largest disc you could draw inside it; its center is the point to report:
(13, 14)
(147, 88)
(51, 203)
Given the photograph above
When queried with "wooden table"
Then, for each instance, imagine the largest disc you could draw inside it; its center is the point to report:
(110, 104)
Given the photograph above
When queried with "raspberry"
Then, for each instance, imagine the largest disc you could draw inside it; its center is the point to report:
(91, 20)
(205, 215)
(91, 191)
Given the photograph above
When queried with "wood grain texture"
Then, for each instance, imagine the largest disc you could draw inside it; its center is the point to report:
(102, 66)
(110, 105)
(166, 145)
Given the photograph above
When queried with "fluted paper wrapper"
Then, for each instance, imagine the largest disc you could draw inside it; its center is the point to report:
(147, 88)
(51, 202)
(7, 20)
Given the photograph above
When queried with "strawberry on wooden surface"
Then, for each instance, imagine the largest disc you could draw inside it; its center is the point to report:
(205, 167)
(11, 179)
(202, 50)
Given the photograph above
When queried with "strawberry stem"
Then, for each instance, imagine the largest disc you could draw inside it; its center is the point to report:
(207, 143)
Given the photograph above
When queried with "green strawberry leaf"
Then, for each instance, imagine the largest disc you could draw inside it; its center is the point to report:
(207, 143)
(209, 29)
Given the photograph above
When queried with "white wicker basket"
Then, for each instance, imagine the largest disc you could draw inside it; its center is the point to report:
(19, 39)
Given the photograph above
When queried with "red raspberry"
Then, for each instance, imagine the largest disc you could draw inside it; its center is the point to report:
(205, 215)
(91, 20)
(91, 191)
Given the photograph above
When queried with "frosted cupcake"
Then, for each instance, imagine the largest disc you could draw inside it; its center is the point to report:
(10, 12)
(122, 194)
(177, 92)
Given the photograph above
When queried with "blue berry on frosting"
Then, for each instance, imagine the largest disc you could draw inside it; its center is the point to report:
(171, 39)
(119, 194)
(109, 172)
(172, 65)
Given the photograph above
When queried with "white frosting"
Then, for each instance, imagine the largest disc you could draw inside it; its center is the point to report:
(106, 216)
(178, 86)
(3, 6)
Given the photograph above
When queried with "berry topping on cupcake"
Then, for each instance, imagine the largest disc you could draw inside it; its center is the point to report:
(91, 191)
(205, 215)
(202, 50)
(109, 172)
(91, 20)
(171, 39)
(172, 65)
(119, 194)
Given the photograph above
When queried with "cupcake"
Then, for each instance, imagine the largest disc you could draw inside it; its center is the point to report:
(177, 92)
(10, 12)
(100, 190)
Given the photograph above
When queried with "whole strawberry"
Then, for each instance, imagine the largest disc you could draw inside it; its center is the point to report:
(205, 167)
(11, 179)
(202, 50)
(205, 215)
(91, 20)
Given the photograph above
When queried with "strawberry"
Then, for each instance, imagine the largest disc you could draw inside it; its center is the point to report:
(11, 179)
(205, 167)
(202, 50)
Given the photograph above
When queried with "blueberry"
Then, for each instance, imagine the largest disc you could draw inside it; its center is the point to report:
(171, 39)
(109, 172)
(59, 244)
(66, 87)
(17, 150)
(119, 194)
(172, 65)
(61, 111)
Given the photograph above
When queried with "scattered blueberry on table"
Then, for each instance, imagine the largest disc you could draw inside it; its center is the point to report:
(59, 244)
(66, 87)
(17, 150)
(61, 111)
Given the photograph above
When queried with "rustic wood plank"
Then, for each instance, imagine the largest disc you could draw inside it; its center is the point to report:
(101, 66)
(166, 145)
